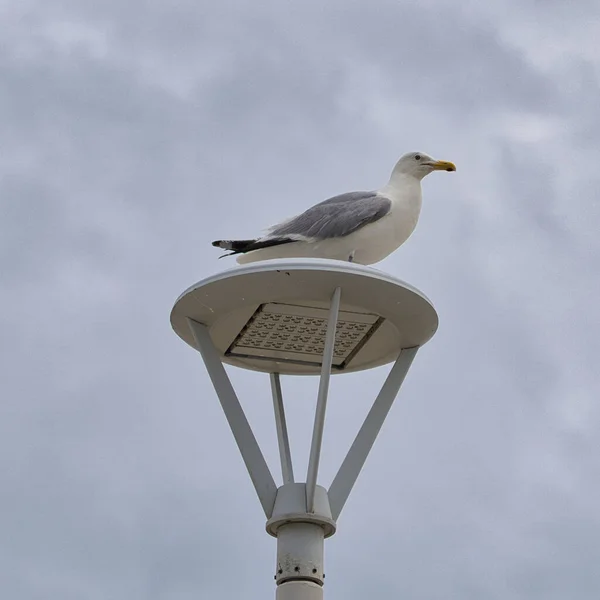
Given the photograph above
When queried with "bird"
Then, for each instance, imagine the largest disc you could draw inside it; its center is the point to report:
(360, 227)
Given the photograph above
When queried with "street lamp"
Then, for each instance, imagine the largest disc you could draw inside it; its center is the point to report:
(303, 317)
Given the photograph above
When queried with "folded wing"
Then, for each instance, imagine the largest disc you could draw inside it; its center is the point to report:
(333, 218)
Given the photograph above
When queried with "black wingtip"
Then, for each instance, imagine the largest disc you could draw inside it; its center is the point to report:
(243, 246)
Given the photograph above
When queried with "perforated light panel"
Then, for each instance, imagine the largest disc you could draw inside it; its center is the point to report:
(296, 334)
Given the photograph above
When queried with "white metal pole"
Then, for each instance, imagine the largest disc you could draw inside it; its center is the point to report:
(317, 438)
(299, 590)
(300, 561)
(285, 455)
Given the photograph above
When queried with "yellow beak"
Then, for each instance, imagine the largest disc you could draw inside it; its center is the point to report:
(443, 165)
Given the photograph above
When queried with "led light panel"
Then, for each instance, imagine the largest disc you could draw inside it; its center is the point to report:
(296, 334)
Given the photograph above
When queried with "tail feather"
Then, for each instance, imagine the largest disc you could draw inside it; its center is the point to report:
(243, 246)
(235, 245)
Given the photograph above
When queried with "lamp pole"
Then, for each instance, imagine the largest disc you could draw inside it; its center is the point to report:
(301, 515)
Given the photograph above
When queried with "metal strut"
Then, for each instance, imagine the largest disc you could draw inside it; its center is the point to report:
(317, 437)
(283, 441)
(350, 468)
(242, 432)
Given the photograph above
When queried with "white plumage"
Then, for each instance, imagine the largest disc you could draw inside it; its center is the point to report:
(363, 227)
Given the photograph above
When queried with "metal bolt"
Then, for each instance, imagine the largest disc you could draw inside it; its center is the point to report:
(296, 568)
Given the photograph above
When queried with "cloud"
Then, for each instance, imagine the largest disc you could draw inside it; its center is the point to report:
(133, 133)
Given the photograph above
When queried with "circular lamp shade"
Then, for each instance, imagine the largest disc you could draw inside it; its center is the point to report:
(271, 316)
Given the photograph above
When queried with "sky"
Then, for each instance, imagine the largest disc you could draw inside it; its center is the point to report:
(134, 133)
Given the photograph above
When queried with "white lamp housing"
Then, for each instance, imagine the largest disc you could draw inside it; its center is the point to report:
(303, 317)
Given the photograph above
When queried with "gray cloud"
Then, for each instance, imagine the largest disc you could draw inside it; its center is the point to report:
(133, 133)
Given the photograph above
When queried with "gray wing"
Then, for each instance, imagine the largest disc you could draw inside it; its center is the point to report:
(335, 217)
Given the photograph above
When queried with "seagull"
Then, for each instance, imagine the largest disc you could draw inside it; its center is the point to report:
(361, 227)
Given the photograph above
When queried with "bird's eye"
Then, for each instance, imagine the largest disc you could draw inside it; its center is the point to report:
(418, 157)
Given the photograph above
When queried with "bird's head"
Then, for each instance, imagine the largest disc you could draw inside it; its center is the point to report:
(419, 164)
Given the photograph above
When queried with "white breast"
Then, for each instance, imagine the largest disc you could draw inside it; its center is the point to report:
(376, 241)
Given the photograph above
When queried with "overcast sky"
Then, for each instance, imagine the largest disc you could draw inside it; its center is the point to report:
(133, 133)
